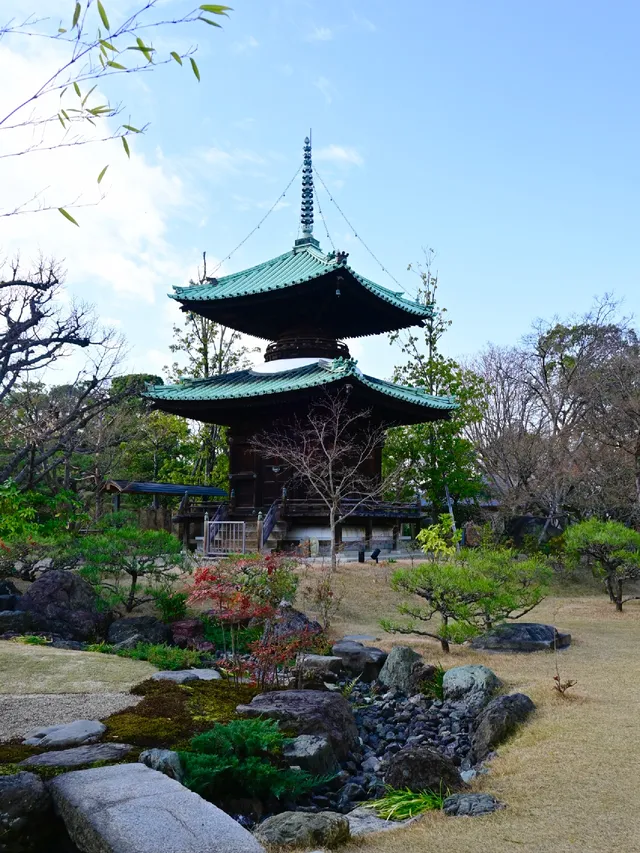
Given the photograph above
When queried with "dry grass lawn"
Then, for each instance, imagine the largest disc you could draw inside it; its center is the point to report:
(570, 778)
(40, 670)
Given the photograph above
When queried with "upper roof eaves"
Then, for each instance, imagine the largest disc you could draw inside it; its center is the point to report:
(294, 267)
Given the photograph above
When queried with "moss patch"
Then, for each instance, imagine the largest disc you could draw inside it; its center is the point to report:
(13, 752)
(170, 714)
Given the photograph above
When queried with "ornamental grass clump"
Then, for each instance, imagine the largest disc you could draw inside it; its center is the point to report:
(243, 759)
(403, 803)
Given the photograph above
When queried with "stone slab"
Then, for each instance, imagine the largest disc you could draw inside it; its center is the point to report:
(76, 733)
(363, 821)
(129, 808)
(79, 755)
(179, 676)
(207, 674)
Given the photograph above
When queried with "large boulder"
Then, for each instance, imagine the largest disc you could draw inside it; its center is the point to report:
(522, 637)
(11, 601)
(128, 808)
(422, 768)
(79, 755)
(498, 721)
(77, 733)
(312, 753)
(309, 712)
(178, 676)
(288, 620)
(63, 603)
(187, 633)
(360, 660)
(303, 829)
(472, 684)
(139, 629)
(403, 670)
(26, 814)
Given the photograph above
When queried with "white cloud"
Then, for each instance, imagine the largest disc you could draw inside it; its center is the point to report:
(245, 45)
(364, 23)
(324, 86)
(122, 257)
(341, 154)
(320, 34)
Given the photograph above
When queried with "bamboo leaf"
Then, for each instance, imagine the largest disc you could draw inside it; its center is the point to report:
(103, 15)
(67, 215)
(126, 146)
(177, 57)
(207, 21)
(84, 100)
(61, 120)
(101, 58)
(215, 8)
(102, 174)
(131, 128)
(116, 65)
(195, 68)
(65, 114)
(77, 88)
(105, 43)
(76, 15)
(61, 30)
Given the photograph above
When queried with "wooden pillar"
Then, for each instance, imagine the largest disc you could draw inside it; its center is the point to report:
(115, 501)
(368, 532)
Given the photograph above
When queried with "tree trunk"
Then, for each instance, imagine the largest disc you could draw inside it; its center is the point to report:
(443, 642)
(130, 604)
(618, 598)
(332, 528)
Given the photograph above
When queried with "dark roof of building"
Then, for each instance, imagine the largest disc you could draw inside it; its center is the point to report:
(303, 281)
(246, 384)
(140, 488)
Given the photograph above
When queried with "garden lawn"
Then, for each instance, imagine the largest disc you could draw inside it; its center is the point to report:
(570, 777)
(42, 686)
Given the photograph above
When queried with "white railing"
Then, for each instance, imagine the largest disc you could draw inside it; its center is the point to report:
(224, 537)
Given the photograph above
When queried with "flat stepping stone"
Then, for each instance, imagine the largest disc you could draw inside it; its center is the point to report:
(128, 808)
(179, 676)
(76, 733)
(207, 674)
(79, 755)
(363, 821)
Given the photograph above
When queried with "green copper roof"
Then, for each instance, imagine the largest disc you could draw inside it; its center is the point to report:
(248, 383)
(303, 263)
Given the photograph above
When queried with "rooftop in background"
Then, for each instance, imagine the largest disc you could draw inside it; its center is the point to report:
(179, 490)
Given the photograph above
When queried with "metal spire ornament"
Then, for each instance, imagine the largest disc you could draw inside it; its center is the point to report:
(306, 211)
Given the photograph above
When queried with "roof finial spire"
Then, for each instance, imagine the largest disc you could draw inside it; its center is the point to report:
(306, 212)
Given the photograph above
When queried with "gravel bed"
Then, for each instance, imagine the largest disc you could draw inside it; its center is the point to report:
(20, 714)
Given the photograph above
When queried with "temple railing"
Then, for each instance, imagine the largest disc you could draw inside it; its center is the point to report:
(269, 521)
(353, 507)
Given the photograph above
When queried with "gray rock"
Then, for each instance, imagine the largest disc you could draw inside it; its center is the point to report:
(11, 601)
(180, 676)
(14, 621)
(397, 669)
(312, 753)
(363, 821)
(309, 712)
(357, 659)
(298, 828)
(147, 628)
(472, 684)
(8, 587)
(468, 775)
(422, 767)
(63, 603)
(522, 637)
(471, 805)
(322, 664)
(128, 643)
(25, 813)
(498, 721)
(79, 755)
(76, 733)
(207, 674)
(129, 808)
(288, 620)
(164, 761)
(371, 764)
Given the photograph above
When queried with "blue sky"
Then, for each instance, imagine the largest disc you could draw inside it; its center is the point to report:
(505, 135)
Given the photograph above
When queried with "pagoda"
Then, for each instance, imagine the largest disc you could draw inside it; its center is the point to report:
(305, 303)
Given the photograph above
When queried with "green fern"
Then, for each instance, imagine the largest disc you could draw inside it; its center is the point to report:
(400, 804)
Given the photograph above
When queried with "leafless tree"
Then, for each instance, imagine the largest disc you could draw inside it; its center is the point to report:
(328, 453)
